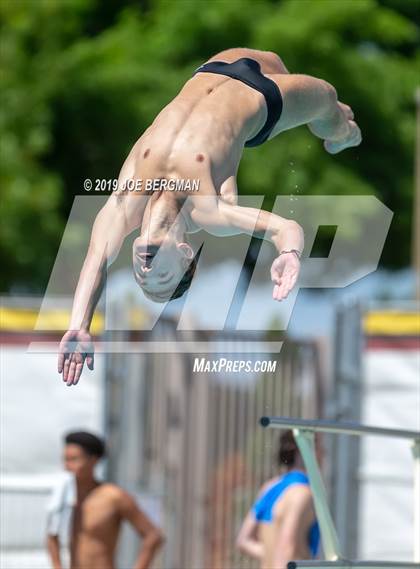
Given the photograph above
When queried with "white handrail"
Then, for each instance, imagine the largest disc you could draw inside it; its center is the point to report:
(306, 443)
(332, 427)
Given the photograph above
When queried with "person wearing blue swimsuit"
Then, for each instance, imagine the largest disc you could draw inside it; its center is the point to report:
(281, 526)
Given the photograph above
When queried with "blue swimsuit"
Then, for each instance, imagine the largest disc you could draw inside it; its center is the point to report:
(263, 507)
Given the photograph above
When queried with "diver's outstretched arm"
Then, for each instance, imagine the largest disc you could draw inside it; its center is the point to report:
(107, 237)
(286, 235)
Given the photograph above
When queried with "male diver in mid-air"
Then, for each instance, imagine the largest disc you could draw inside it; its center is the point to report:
(240, 97)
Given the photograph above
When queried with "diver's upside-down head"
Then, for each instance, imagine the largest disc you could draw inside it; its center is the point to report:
(164, 270)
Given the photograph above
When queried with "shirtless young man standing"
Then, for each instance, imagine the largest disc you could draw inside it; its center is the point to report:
(240, 97)
(281, 526)
(97, 513)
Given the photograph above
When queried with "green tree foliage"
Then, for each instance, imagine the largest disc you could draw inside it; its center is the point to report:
(82, 79)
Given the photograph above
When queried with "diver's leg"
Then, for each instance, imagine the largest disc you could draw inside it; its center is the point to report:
(269, 61)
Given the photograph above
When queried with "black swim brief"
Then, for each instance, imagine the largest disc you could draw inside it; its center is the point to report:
(248, 71)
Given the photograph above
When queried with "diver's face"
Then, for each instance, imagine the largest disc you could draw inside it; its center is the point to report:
(77, 461)
(158, 268)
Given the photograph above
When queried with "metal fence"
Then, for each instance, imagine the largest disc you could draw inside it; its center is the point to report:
(191, 439)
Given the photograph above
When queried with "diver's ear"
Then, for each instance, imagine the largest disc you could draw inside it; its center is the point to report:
(93, 461)
(186, 249)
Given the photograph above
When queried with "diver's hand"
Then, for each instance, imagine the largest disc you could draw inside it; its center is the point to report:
(284, 273)
(75, 347)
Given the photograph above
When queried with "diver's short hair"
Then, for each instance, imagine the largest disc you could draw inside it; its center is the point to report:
(90, 443)
(183, 285)
(288, 449)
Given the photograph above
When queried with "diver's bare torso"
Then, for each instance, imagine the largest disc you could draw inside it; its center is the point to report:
(96, 526)
(282, 533)
(201, 133)
(270, 534)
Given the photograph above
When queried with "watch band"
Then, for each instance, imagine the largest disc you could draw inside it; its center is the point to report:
(295, 251)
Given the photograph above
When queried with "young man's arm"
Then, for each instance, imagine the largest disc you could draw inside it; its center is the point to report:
(107, 236)
(220, 218)
(117, 219)
(293, 525)
(313, 102)
(152, 537)
(247, 541)
(53, 547)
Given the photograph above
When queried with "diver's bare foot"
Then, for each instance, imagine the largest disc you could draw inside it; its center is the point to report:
(354, 138)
